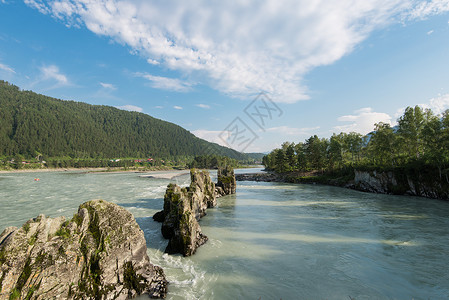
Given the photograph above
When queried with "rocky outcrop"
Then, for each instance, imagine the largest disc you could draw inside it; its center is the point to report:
(375, 182)
(226, 184)
(183, 208)
(414, 182)
(203, 192)
(100, 253)
(180, 225)
(264, 177)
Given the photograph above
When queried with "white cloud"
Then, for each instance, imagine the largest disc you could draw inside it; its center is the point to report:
(177, 107)
(52, 73)
(212, 136)
(438, 105)
(37, 4)
(130, 108)
(6, 68)
(362, 121)
(108, 86)
(152, 61)
(159, 107)
(240, 48)
(285, 130)
(165, 83)
(205, 106)
(424, 9)
(429, 32)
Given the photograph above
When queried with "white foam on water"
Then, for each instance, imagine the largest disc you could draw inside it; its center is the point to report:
(186, 279)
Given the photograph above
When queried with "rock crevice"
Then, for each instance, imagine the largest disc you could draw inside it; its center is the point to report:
(183, 208)
(99, 254)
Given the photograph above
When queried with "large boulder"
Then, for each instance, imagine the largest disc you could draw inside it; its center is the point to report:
(100, 253)
(226, 184)
(203, 192)
(183, 208)
(180, 225)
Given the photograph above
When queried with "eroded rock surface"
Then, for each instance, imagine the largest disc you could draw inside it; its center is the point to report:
(180, 225)
(100, 253)
(226, 184)
(183, 208)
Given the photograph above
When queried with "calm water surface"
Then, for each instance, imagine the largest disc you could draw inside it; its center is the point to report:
(271, 240)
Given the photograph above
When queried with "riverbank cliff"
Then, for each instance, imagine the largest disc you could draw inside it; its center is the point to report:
(413, 182)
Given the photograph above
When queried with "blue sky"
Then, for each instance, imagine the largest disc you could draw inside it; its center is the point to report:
(327, 66)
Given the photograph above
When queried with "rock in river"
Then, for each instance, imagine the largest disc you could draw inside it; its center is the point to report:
(183, 208)
(100, 253)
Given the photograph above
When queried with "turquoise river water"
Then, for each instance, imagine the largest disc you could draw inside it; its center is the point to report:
(270, 240)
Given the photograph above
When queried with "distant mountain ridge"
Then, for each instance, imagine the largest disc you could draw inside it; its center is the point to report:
(32, 124)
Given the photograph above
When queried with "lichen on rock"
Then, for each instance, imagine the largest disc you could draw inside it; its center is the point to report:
(99, 254)
(183, 208)
(226, 184)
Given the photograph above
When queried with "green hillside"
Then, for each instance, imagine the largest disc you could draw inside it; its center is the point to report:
(32, 124)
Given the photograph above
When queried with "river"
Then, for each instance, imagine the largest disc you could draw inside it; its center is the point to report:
(270, 240)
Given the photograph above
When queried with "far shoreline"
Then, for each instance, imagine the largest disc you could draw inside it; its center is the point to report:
(87, 170)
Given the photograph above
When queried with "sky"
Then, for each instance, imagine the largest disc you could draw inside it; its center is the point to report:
(246, 74)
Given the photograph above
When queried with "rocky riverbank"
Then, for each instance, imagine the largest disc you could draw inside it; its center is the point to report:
(265, 177)
(100, 253)
(396, 183)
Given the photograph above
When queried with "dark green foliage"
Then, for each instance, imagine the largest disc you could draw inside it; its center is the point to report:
(26, 227)
(40, 127)
(33, 239)
(418, 149)
(77, 219)
(95, 273)
(2, 256)
(15, 294)
(63, 232)
(23, 278)
(212, 162)
(31, 291)
(131, 280)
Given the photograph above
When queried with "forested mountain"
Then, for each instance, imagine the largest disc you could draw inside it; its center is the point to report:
(32, 124)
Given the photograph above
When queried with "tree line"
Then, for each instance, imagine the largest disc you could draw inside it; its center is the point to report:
(34, 125)
(212, 162)
(420, 138)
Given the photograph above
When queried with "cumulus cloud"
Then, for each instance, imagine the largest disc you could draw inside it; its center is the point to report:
(177, 107)
(240, 48)
(52, 73)
(130, 108)
(212, 136)
(205, 106)
(6, 68)
(108, 86)
(437, 104)
(165, 83)
(362, 121)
